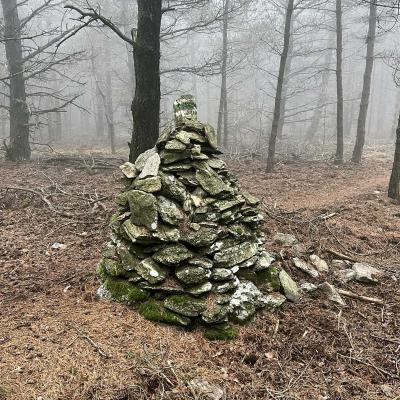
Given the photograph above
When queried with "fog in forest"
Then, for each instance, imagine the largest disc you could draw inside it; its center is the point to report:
(79, 74)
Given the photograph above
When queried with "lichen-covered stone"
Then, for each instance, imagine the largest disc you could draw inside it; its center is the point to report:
(245, 300)
(143, 207)
(221, 274)
(185, 305)
(151, 271)
(201, 237)
(200, 289)
(169, 211)
(250, 199)
(136, 233)
(211, 136)
(191, 275)
(154, 311)
(285, 239)
(201, 262)
(224, 287)
(264, 261)
(149, 185)
(215, 314)
(172, 188)
(235, 254)
(172, 254)
(175, 145)
(210, 181)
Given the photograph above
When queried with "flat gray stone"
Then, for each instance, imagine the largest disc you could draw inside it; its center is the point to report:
(142, 158)
(365, 273)
(152, 272)
(236, 254)
(191, 275)
(303, 266)
(172, 254)
(331, 293)
(151, 166)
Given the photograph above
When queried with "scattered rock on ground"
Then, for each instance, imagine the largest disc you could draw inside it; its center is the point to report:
(303, 266)
(285, 239)
(365, 273)
(320, 264)
(202, 389)
(289, 286)
(331, 293)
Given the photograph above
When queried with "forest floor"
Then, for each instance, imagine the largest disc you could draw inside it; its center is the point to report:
(58, 341)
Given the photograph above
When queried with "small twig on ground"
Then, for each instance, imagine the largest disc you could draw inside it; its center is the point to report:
(360, 297)
(90, 341)
(341, 255)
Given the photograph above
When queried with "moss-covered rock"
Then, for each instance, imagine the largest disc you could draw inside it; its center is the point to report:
(248, 274)
(149, 185)
(124, 291)
(220, 332)
(185, 305)
(154, 311)
(269, 276)
(143, 207)
(169, 211)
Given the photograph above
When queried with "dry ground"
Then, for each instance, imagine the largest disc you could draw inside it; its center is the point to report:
(58, 341)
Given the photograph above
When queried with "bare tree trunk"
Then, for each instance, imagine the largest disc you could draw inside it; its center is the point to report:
(286, 78)
(278, 96)
(146, 103)
(339, 84)
(99, 114)
(19, 148)
(362, 117)
(223, 103)
(110, 111)
(394, 184)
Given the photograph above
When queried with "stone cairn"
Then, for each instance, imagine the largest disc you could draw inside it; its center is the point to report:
(186, 246)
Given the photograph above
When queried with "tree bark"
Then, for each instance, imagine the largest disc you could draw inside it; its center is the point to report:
(278, 96)
(223, 103)
(362, 117)
(339, 84)
(146, 103)
(109, 108)
(18, 148)
(394, 184)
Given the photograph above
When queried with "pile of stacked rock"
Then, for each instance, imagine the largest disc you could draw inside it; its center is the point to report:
(186, 244)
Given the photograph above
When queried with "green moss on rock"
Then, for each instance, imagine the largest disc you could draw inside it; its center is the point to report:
(102, 270)
(220, 332)
(269, 276)
(124, 291)
(154, 311)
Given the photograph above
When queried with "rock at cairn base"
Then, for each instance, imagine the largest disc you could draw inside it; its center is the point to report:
(186, 242)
